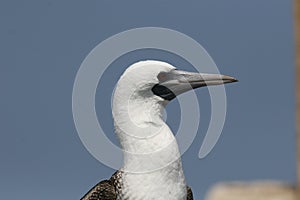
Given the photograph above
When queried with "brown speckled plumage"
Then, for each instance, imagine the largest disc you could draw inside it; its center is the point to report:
(112, 188)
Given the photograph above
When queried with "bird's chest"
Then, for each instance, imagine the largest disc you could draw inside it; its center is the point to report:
(162, 184)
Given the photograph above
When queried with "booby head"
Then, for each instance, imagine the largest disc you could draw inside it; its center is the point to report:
(161, 79)
(143, 91)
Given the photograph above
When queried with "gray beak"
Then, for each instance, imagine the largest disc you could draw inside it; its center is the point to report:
(176, 82)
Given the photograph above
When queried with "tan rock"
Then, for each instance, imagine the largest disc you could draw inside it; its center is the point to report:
(260, 190)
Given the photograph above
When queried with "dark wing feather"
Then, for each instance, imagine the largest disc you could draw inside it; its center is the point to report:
(189, 193)
(102, 191)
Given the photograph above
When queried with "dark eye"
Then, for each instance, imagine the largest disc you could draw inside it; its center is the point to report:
(162, 76)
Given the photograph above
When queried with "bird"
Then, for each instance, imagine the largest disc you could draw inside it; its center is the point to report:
(152, 167)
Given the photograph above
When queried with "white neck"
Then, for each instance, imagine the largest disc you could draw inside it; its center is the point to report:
(151, 155)
(141, 130)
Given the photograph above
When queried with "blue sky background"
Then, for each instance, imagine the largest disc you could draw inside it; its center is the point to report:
(43, 43)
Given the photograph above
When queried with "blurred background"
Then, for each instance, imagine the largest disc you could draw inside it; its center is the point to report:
(44, 42)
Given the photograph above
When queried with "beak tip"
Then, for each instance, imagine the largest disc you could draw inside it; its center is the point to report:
(229, 79)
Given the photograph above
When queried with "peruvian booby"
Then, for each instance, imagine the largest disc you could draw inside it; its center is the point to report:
(152, 167)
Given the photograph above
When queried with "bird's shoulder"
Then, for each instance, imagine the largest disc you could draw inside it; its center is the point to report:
(104, 190)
